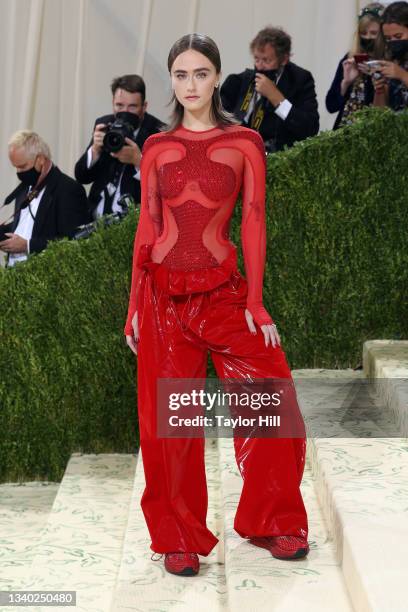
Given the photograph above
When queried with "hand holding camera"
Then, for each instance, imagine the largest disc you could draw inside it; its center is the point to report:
(98, 136)
(130, 153)
(117, 139)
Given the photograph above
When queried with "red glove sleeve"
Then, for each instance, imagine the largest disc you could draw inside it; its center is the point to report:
(253, 228)
(150, 220)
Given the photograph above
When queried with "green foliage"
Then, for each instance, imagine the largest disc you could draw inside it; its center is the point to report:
(336, 275)
(337, 241)
(67, 378)
(337, 271)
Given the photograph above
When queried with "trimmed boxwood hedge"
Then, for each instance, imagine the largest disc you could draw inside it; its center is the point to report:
(66, 376)
(336, 275)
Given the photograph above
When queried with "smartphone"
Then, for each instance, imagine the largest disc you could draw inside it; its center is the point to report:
(361, 58)
(374, 64)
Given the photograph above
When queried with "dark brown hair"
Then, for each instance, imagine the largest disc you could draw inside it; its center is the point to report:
(276, 37)
(205, 45)
(397, 12)
(133, 83)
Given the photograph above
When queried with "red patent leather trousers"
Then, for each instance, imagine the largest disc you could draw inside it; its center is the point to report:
(176, 333)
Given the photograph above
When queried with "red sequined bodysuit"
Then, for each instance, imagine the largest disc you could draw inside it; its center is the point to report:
(190, 182)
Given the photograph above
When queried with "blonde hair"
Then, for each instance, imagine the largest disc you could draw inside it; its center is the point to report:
(364, 20)
(32, 143)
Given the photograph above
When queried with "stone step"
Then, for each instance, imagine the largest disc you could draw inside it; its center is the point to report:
(145, 586)
(80, 547)
(24, 510)
(386, 362)
(342, 404)
(95, 541)
(258, 581)
(361, 484)
(362, 487)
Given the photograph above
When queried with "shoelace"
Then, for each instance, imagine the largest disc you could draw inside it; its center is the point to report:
(292, 542)
(177, 555)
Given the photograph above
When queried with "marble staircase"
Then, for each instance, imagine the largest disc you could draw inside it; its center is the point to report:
(87, 534)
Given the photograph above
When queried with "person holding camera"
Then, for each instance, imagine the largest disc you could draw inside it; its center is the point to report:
(48, 203)
(112, 159)
(277, 98)
(392, 88)
(352, 86)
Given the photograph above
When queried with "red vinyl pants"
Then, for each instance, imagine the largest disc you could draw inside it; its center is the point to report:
(176, 333)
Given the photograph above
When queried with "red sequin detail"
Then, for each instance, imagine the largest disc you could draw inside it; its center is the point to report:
(189, 252)
(216, 180)
(236, 134)
(175, 209)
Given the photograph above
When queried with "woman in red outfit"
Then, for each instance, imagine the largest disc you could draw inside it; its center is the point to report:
(187, 298)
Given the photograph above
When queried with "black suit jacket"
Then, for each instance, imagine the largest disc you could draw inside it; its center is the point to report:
(104, 170)
(297, 85)
(63, 206)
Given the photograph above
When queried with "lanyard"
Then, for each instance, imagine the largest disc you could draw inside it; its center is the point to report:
(258, 111)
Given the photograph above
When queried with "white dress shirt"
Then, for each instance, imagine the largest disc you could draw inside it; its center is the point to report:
(112, 189)
(25, 226)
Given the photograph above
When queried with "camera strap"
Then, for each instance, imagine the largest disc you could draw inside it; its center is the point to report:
(110, 189)
(108, 196)
(258, 106)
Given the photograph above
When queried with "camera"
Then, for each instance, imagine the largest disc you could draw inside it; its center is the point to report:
(270, 146)
(125, 201)
(123, 127)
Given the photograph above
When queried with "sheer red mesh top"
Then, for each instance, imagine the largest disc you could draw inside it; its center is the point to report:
(189, 185)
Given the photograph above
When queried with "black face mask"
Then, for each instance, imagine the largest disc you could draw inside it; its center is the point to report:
(127, 117)
(29, 177)
(271, 74)
(367, 44)
(398, 49)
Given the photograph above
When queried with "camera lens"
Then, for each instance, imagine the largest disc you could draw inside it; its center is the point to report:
(113, 141)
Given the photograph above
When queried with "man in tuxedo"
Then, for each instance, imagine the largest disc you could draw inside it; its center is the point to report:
(115, 174)
(48, 203)
(276, 97)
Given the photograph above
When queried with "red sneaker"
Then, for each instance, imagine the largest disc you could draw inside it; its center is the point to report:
(182, 564)
(283, 547)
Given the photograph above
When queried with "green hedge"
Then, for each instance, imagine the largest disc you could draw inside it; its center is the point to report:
(67, 378)
(337, 249)
(336, 275)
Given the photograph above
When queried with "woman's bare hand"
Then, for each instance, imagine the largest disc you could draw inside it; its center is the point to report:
(350, 70)
(363, 68)
(392, 70)
(270, 332)
(132, 341)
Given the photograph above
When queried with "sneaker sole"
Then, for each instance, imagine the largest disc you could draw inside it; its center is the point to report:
(187, 571)
(299, 554)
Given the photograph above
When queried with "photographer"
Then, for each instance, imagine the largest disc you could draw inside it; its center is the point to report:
(116, 172)
(48, 203)
(277, 98)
